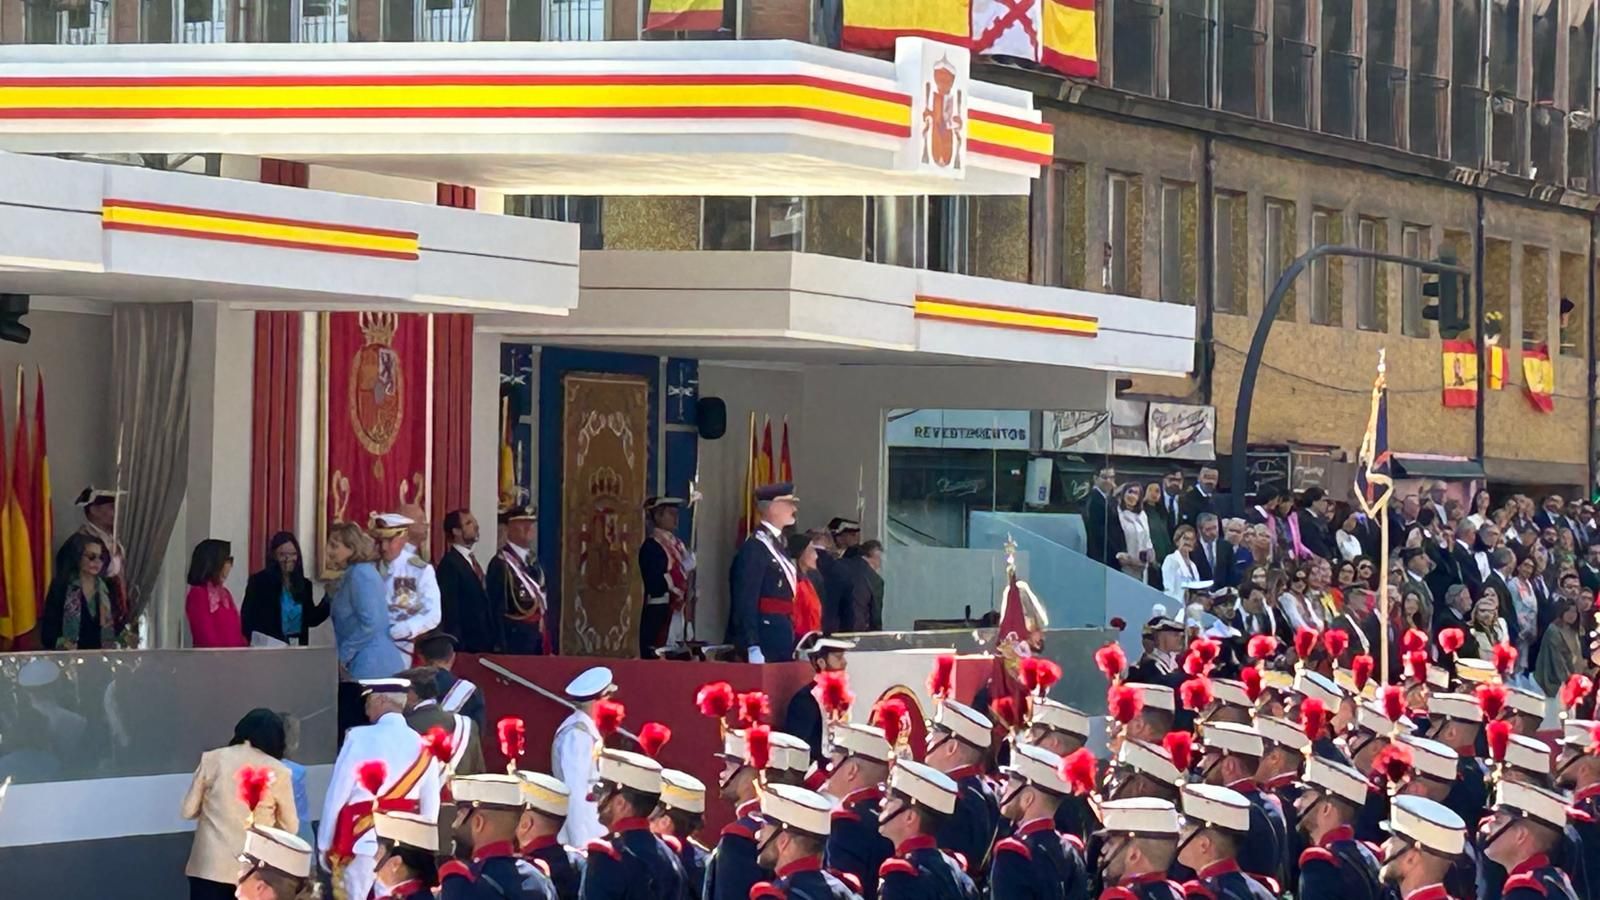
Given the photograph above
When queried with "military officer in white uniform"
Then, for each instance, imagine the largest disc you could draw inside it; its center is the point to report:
(414, 607)
(572, 756)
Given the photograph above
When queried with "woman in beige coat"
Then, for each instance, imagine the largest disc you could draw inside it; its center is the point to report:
(213, 799)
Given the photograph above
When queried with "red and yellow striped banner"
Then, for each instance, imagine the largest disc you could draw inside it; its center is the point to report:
(1069, 39)
(874, 24)
(684, 15)
(267, 231)
(988, 315)
(1539, 378)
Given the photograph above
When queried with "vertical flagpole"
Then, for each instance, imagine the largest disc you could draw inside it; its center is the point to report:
(1383, 589)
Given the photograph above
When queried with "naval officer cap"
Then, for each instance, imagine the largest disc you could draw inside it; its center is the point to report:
(771, 493)
(967, 724)
(544, 794)
(1055, 716)
(795, 809)
(276, 849)
(491, 791)
(1522, 799)
(1038, 767)
(1214, 806)
(591, 684)
(1427, 824)
(389, 524)
(384, 686)
(1431, 759)
(654, 503)
(816, 644)
(406, 830)
(1527, 754)
(860, 740)
(634, 771)
(839, 525)
(518, 513)
(923, 784)
(683, 792)
(1336, 779)
(1148, 817)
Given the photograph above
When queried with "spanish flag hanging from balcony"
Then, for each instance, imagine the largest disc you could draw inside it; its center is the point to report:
(1069, 38)
(874, 24)
(1460, 373)
(1056, 33)
(683, 15)
(1539, 378)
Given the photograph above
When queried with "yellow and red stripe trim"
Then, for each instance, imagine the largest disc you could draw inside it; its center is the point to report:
(966, 312)
(246, 228)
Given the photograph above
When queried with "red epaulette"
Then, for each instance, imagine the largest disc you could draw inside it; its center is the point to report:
(600, 845)
(849, 878)
(734, 829)
(844, 815)
(897, 866)
(540, 864)
(455, 867)
(1524, 880)
(1015, 846)
(762, 890)
(1196, 889)
(960, 858)
(1074, 840)
(1578, 815)
(1119, 893)
(1318, 854)
(671, 840)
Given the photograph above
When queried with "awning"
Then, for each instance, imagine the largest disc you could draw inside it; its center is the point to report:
(579, 117)
(125, 233)
(1455, 468)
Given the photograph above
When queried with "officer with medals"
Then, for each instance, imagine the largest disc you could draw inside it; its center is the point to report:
(675, 821)
(408, 847)
(572, 754)
(1425, 837)
(762, 581)
(794, 829)
(1334, 865)
(415, 607)
(959, 739)
(1216, 821)
(803, 717)
(918, 800)
(666, 566)
(858, 764)
(1140, 837)
(631, 863)
(732, 868)
(488, 811)
(546, 800)
(1061, 729)
(277, 865)
(1037, 861)
(515, 585)
(1161, 664)
(1233, 754)
(1457, 722)
(1521, 835)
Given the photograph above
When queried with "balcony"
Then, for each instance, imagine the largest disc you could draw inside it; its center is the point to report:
(525, 20)
(69, 22)
(303, 21)
(185, 22)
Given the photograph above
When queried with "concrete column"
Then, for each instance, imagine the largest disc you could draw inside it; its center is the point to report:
(484, 487)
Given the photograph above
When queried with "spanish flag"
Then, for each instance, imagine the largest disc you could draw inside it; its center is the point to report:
(874, 24)
(683, 15)
(42, 517)
(1460, 373)
(1069, 38)
(1497, 366)
(1539, 378)
(21, 611)
(785, 467)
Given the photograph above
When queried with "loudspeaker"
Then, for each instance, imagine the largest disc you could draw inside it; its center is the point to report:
(711, 415)
(1038, 481)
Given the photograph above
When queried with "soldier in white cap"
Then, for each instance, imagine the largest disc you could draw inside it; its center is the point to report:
(1037, 860)
(1233, 754)
(1577, 769)
(732, 868)
(408, 847)
(681, 814)
(1139, 841)
(1456, 721)
(1334, 865)
(1315, 685)
(277, 866)
(858, 763)
(538, 833)
(1522, 835)
(918, 802)
(1144, 770)
(959, 740)
(1061, 729)
(631, 862)
(488, 810)
(794, 829)
(1425, 838)
(1216, 823)
(414, 604)
(1434, 772)
(803, 717)
(1155, 718)
(345, 839)
(572, 754)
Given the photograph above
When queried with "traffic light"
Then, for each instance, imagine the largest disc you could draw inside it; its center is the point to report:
(1448, 291)
(12, 308)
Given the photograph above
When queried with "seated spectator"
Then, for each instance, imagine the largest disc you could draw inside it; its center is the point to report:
(213, 616)
(213, 800)
(1295, 602)
(1349, 544)
(79, 610)
(277, 599)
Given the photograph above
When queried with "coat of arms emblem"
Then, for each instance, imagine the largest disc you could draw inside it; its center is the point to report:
(377, 384)
(943, 128)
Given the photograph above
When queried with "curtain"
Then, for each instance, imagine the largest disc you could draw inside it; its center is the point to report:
(150, 358)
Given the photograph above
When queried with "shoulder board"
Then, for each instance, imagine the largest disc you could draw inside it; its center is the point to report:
(541, 865)
(1318, 854)
(765, 889)
(603, 847)
(845, 815)
(673, 842)
(1074, 841)
(960, 859)
(1013, 845)
(1525, 882)
(897, 866)
(849, 878)
(1196, 889)
(454, 867)
(734, 829)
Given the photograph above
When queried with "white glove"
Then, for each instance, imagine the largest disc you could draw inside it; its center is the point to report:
(754, 654)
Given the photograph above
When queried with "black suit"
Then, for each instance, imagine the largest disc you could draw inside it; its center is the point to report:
(262, 609)
(1225, 573)
(464, 608)
(1103, 529)
(1314, 534)
(1194, 502)
(1464, 569)
(1589, 578)
(1447, 618)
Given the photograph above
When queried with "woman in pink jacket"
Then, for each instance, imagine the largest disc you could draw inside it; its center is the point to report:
(213, 616)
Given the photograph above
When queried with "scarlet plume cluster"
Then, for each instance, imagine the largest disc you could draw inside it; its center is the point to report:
(1206, 649)
(891, 714)
(1451, 639)
(1251, 678)
(1361, 670)
(1262, 646)
(1313, 718)
(752, 708)
(1413, 640)
(441, 744)
(1118, 623)
(835, 690)
(608, 716)
(758, 746)
(1039, 675)
(372, 774)
(1505, 657)
(1077, 770)
(1305, 641)
(1594, 738)
(1180, 746)
(1394, 702)
(1111, 661)
(1335, 642)
(252, 782)
(1492, 700)
(1005, 712)
(1417, 663)
(1576, 688)
(1195, 694)
(715, 700)
(1393, 763)
(942, 680)
(513, 736)
(1498, 736)
(1124, 702)
(652, 737)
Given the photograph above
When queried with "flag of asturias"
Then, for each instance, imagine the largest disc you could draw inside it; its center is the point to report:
(683, 15)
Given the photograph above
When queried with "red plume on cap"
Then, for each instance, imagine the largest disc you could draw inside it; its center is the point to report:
(715, 699)
(1394, 702)
(1118, 623)
(652, 737)
(1305, 641)
(441, 744)
(1180, 746)
(942, 679)
(1125, 701)
(753, 709)
(372, 774)
(1413, 640)
(1594, 738)
(1576, 688)
(1038, 674)
(1195, 694)
(512, 737)
(1077, 770)
(1207, 649)
(1262, 646)
(892, 715)
(253, 782)
(608, 715)
(758, 746)
(835, 691)
(1111, 661)
(1417, 662)
(1505, 657)
(1361, 670)
(1336, 642)
(1498, 735)
(1492, 700)
(1004, 708)
(1313, 718)
(1194, 666)
(1451, 639)
(1251, 677)
(1393, 763)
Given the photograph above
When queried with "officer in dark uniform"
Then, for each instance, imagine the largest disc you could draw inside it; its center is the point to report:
(959, 739)
(1162, 663)
(803, 718)
(762, 581)
(732, 870)
(408, 846)
(665, 565)
(857, 766)
(488, 810)
(680, 815)
(1307, 685)
(276, 865)
(795, 824)
(631, 862)
(1578, 771)
(1216, 822)
(1140, 840)
(1457, 722)
(1425, 837)
(1036, 861)
(1334, 865)
(1521, 835)
(1365, 742)
(1233, 754)
(1279, 778)
(836, 578)
(1062, 730)
(918, 802)
(546, 798)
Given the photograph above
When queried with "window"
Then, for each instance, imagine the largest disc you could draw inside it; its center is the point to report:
(1058, 226)
(1179, 262)
(1124, 234)
(1574, 299)
(446, 20)
(1414, 242)
(1231, 235)
(1496, 288)
(1327, 227)
(1341, 68)
(1549, 120)
(560, 20)
(950, 234)
(1429, 89)
(1580, 96)
(1133, 45)
(1507, 110)
(897, 227)
(1470, 102)
(1189, 42)
(836, 226)
(1535, 296)
(586, 212)
(1242, 43)
(1386, 78)
(1279, 252)
(1372, 308)
(184, 21)
(81, 22)
(1292, 56)
(746, 223)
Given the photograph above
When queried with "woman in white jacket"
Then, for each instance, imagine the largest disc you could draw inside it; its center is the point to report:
(1135, 561)
(1178, 569)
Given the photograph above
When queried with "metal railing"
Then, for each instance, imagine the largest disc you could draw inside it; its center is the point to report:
(76, 22)
(321, 21)
(446, 20)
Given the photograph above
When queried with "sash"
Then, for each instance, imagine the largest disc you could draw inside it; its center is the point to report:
(784, 563)
(458, 695)
(461, 734)
(677, 572)
(355, 818)
(535, 609)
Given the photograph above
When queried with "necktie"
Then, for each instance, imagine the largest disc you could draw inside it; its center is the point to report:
(476, 569)
(1172, 506)
(1211, 555)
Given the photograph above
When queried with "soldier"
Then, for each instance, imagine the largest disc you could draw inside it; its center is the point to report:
(1524, 709)
(414, 606)
(958, 745)
(666, 567)
(1335, 866)
(762, 581)
(836, 577)
(680, 815)
(572, 754)
(1140, 837)
(1279, 778)
(1435, 768)
(1233, 754)
(1036, 861)
(1528, 761)
(277, 865)
(408, 846)
(515, 585)
(794, 829)
(1144, 770)
(488, 810)
(1230, 702)
(1061, 730)
(631, 863)
(1523, 832)
(1457, 722)
(1216, 823)
(732, 868)
(803, 718)
(456, 694)
(1161, 664)
(424, 713)
(1424, 837)
(1367, 740)
(859, 756)
(1155, 718)
(917, 803)
(1307, 685)
(546, 801)
(1578, 770)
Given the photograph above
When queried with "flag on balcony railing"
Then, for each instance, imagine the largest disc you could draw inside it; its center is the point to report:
(1460, 360)
(1056, 33)
(874, 24)
(683, 15)
(1539, 378)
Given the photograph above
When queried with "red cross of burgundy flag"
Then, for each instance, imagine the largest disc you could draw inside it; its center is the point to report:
(1056, 33)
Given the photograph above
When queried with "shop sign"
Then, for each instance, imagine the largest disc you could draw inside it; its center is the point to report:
(960, 429)
(1182, 431)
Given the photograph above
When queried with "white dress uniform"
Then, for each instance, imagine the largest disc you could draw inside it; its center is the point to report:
(391, 740)
(414, 606)
(572, 759)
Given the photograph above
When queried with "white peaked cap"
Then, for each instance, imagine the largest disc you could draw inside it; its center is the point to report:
(1337, 779)
(796, 807)
(1528, 754)
(924, 784)
(1230, 737)
(965, 723)
(384, 686)
(1578, 733)
(1038, 767)
(631, 770)
(544, 793)
(391, 521)
(1431, 758)
(1140, 815)
(1526, 702)
(1216, 806)
(277, 849)
(502, 791)
(589, 684)
(860, 740)
(407, 829)
(1231, 692)
(1371, 718)
(1281, 732)
(1158, 696)
(1460, 707)
(1530, 800)
(1048, 713)
(1428, 823)
(789, 753)
(682, 791)
(1148, 759)
(1315, 685)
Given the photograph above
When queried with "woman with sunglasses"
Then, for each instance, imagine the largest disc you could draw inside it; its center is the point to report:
(213, 616)
(1296, 603)
(79, 611)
